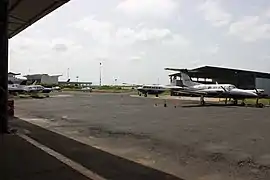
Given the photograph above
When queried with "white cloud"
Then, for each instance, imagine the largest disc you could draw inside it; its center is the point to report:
(177, 40)
(148, 8)
(24, 43)
(99, 30)
(62, 45)
(160, 36)
(109, 34)
(34, 51)
(135, 58)
(212, 50)
(250, 28)
(144, 34)
(214, 13)
(267, 13)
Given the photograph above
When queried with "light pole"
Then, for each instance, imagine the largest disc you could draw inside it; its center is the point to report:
(100, 79)
(67, 73)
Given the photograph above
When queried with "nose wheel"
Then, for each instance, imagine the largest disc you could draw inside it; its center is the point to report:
(235, 102)
(202, 102)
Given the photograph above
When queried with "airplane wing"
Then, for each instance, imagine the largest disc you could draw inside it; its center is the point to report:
(203, 92)
(133, 85)
(173, 87)
(191, 92)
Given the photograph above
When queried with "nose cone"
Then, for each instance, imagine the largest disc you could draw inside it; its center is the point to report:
(244, 93)
(249, 94)
(252, 94)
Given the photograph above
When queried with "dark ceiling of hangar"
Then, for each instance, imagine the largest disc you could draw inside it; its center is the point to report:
(219, 72)
(23, 13)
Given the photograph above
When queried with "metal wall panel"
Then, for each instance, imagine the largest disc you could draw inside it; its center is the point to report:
(263, 83)
(49, 80)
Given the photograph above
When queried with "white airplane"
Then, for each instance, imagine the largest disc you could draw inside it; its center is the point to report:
(56, 88)
(217, 90)
(22, 88)
(155, 89)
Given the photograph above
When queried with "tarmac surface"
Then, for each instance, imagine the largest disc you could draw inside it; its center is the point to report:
(189, 141)
(21, 160)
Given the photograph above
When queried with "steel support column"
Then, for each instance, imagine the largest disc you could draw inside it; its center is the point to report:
(3, 66)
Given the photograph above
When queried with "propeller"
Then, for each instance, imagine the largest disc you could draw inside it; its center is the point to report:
(258, 92)
(226, 94)
(223, 88)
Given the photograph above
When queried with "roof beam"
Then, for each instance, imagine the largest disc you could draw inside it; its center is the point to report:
(12, 22)
(19, 19)
(15, 5)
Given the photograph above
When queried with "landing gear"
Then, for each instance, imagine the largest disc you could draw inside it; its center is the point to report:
(202, 102)
(259, 105)
(145, 94)
(235, 102)
(226, 101)
(156, 95)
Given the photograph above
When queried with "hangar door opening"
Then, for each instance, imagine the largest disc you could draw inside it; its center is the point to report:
(263, 83)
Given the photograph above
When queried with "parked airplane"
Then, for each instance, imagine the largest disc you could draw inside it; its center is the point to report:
(155, 89)
(23, 88)
(217, 90)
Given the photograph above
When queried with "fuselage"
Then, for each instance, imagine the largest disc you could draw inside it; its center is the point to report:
(151, 89)
(224, 90)
(28, 89)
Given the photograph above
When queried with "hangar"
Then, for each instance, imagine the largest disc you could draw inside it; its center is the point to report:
(15, 16)
(44, 79)
(243, 79)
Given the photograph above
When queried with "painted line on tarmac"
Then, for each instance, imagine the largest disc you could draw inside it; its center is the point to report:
(74, 165)
(62, 95)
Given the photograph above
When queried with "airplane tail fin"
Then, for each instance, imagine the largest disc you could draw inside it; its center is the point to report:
(68, 80)
(34, 83)
(24, 82)
(187, 80)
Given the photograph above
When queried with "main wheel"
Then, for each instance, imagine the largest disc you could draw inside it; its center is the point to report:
(202, 103)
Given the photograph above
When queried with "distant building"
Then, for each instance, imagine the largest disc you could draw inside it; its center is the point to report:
(79, 84)
(12, 79)
(43, 79)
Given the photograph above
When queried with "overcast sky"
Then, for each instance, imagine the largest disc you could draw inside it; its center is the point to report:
(136, 39)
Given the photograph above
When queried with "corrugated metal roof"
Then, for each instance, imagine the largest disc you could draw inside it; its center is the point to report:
(14, 74)
(23, 13)
(218, 71)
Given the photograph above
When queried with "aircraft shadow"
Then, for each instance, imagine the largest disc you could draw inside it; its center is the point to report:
(212, 105)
